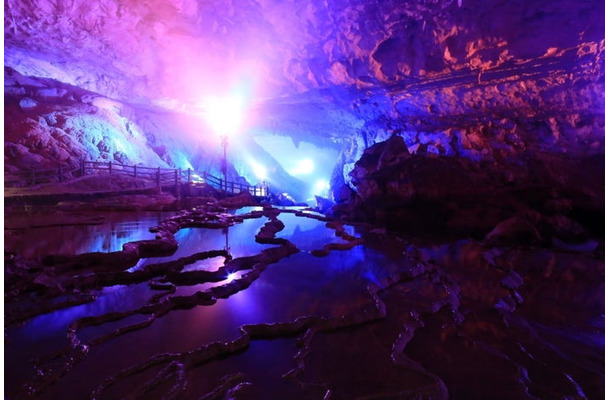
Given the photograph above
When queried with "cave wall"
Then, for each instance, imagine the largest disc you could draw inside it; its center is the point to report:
(49, 124)
(172, 53)
(505, 84)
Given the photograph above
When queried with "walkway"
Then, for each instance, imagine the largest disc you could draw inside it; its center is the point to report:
(161, 177)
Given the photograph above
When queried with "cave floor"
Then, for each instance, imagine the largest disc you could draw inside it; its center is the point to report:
(268, 303)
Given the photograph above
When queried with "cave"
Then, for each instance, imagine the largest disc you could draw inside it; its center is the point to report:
(252, 199)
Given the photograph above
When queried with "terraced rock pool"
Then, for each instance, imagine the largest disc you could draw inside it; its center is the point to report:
(284, 303)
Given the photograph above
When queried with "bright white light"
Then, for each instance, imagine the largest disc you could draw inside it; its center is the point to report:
(224, 115)
(231, 277)
(119, 145)
(304, 167)
(321, 187)
(259, 170)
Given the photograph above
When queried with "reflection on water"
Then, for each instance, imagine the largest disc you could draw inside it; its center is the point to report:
(483, 308)
(246, 210)
(308, 234)
(240, 239)
(295, 286)
(108, 234)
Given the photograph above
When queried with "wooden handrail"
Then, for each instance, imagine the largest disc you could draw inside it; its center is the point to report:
(161, 176)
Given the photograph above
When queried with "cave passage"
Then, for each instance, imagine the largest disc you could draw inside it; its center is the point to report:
(430, 214)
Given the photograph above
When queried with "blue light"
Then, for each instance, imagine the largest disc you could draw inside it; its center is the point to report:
(320, 188)
(304, 167)
(259, 170)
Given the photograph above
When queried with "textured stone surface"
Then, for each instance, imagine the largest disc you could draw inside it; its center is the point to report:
(506, 200)
(366, 65)
(363, 314)
(480, 118)
(517, 88)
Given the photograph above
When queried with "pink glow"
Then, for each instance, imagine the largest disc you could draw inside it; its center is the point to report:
(225, 115)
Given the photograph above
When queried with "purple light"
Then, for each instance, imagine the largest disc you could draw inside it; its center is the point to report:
(225, 115)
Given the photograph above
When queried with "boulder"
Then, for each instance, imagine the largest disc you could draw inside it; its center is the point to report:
(514, 230)
(241, 200)
(27, 103)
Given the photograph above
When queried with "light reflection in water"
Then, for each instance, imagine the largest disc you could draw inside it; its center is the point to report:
(240, 239)
(246, 210)
(291, 272)
(111, 299)
(208, 264)
(116, 230)
(307, 233)
(300, 274)
(295, 286)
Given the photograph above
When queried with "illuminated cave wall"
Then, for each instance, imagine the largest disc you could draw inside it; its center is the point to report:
(493, 81)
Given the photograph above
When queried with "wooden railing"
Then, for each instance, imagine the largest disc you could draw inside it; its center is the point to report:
(158, 176)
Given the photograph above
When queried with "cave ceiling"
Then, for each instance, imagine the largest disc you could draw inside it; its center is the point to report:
(419, 57)
(130, 81)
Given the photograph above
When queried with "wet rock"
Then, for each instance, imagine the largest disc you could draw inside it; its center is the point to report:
(241, 200)
(15, 91)
(27, 103)
(410, 191)
(514, 230)
(565, 229)
(421, 307)
(454, 195)
(51, 92)
(558, 205)
(323, 205)
(512, 281)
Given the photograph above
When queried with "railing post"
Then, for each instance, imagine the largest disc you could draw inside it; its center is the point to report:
(176, 176)
(158, 176)
(189, 175)
(110, 167)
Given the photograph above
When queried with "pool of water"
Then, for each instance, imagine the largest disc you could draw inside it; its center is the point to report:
(64, 233)
(457, 303)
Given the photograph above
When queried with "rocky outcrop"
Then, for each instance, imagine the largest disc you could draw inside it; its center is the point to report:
(67, 124)
(517, 87)
(532, 199)
(171, 52)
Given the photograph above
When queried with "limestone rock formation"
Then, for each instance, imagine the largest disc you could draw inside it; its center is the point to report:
(471, 142)
(441, 194)
(489, 81)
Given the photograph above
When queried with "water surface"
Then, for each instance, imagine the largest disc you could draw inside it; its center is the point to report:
(523, 320)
